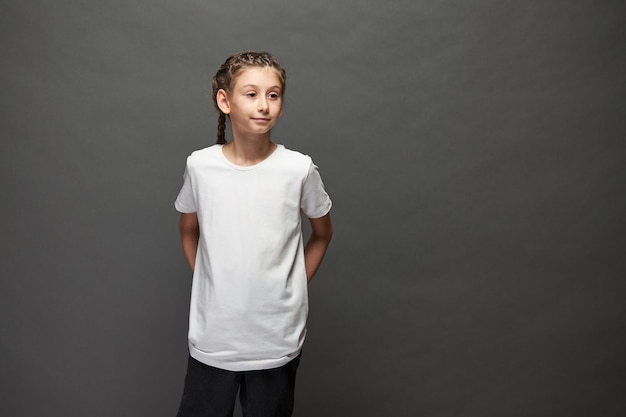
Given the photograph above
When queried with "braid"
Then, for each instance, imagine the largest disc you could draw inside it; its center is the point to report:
(221, 129)
(225, 76)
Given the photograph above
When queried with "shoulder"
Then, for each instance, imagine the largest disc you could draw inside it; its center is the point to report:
(202, 156)
(294, 157)
(293, 163)
(205, 152)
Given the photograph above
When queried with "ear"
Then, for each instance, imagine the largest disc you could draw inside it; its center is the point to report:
(222, 101)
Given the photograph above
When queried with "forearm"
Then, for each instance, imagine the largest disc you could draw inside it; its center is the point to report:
(189, 236)
(190, 247)
(314, 252)
(315, 248)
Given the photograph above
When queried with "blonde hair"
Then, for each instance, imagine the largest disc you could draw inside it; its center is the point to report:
(224, 79)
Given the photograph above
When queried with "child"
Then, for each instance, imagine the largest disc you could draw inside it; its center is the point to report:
(240, 227)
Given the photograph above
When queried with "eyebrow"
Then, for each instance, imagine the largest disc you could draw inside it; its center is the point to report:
(256, 86)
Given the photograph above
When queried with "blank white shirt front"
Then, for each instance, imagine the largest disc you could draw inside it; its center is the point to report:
(249, 293)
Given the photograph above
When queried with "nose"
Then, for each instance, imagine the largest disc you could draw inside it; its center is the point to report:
(262, 104)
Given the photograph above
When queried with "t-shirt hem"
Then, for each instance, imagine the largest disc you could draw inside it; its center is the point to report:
(242, 366)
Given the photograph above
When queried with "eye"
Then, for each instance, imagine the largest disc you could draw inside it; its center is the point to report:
(251, 94)
(274, 96)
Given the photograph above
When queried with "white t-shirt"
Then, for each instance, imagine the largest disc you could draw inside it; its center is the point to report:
(249, 294)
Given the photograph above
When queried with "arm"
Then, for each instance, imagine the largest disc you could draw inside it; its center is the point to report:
(315, 248)
(189, 235)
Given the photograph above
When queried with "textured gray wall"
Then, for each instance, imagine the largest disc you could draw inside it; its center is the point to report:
(474, 152)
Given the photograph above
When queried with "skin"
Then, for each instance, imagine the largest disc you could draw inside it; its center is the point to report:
(254, 106)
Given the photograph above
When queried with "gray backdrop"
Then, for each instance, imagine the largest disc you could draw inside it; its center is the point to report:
(473, 151)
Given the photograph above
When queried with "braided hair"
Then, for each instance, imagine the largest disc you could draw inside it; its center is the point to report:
(224, 79)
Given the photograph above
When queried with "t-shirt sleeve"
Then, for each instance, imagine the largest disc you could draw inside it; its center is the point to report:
(315, 201)
(185, 202)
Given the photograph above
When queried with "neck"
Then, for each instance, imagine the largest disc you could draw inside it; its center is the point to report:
(251, 151)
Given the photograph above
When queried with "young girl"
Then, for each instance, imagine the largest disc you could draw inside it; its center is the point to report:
(240, 227)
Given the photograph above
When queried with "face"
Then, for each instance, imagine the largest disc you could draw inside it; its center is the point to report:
(255, 103)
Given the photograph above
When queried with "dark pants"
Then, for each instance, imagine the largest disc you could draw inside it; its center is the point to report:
(211, 392)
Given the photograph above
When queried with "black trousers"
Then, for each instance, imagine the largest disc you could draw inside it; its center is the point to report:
(211, 392)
